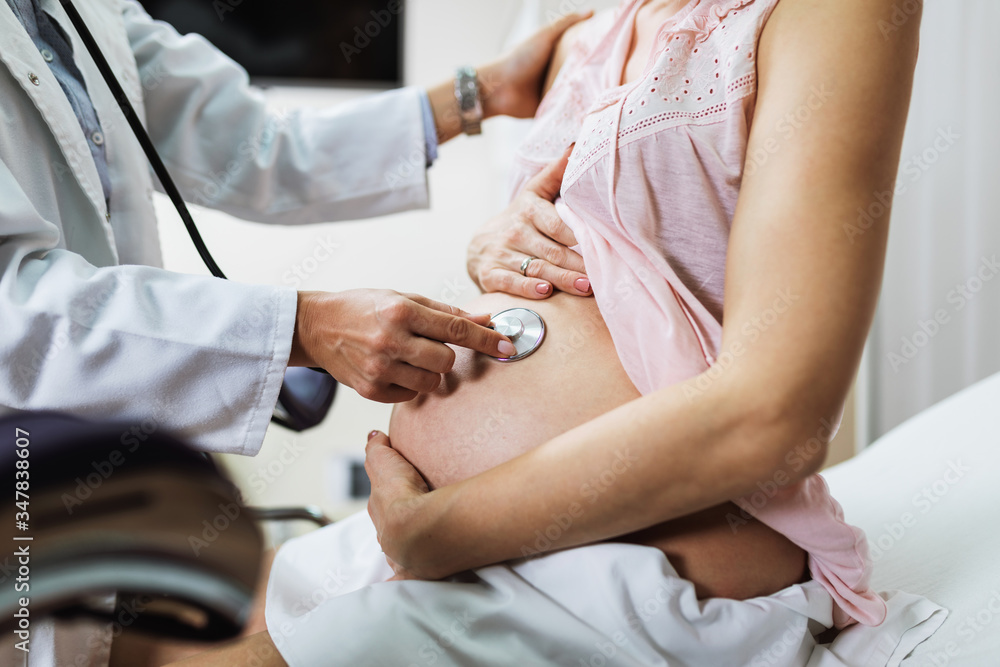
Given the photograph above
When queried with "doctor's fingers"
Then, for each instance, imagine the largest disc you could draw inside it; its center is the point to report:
(413, 378)
(447, 328)
(384, 393)
(479, 318)
(429, 355)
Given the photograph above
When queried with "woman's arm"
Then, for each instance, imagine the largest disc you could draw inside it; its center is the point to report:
(831, 109)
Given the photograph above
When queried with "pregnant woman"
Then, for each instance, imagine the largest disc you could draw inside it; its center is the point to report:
(661, 445)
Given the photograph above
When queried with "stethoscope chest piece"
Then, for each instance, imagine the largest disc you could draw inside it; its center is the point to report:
(524, 327)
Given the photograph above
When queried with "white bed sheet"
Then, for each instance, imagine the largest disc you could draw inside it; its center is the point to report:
(928, 496)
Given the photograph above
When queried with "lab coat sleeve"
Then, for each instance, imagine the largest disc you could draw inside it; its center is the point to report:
(198, 357)
(226, 150)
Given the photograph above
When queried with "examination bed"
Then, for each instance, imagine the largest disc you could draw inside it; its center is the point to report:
(925, 494)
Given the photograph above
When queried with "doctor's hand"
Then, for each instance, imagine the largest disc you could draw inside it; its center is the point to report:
(512, 84)
(388, 347)
(530, 227)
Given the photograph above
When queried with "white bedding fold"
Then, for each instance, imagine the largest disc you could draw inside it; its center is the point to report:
(605, 604)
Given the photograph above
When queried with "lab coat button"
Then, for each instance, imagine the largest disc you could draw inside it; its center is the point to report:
(107, 216)
(33, 79)
(97, 138)
(47, 55)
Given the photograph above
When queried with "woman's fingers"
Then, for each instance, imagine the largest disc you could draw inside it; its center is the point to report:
(393, 480)
(383, 463)
(552, 264)
(530, 228)
(543, 216)
(572, 282)
(547, 183)
(502, 279)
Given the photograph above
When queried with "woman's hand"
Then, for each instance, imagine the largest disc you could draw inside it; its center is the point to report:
(530, 227)
(512, 84)
(398, 494)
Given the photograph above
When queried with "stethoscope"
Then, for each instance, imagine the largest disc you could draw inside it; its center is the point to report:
(525, 329)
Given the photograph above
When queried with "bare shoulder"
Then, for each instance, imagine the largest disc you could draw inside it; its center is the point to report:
(563, 49)
(853, 58)
(846, 35)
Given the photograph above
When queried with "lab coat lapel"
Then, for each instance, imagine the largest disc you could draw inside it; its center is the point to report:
(105, 22)
(26, 65)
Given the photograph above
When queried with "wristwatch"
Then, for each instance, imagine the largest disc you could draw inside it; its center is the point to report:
(470, 102)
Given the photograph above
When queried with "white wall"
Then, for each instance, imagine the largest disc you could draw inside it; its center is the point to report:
(420, 252)
(939, 315)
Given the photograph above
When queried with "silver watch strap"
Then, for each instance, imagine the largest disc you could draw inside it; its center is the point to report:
(470, 103)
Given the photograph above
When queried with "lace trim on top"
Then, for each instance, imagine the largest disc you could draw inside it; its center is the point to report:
(704, 64)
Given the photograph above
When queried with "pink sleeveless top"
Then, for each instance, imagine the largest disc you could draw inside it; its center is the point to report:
(650, 193)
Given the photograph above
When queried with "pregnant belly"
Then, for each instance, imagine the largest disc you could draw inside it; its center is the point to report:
(487, 412)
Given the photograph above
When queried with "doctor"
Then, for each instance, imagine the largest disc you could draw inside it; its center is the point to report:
(92, 326)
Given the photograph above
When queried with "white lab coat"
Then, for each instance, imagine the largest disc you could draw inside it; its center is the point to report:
(88, 325)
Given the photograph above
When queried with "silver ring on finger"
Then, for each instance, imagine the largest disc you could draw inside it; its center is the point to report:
(525, 264)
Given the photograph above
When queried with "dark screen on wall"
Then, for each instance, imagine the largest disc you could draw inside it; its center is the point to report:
(353, 42)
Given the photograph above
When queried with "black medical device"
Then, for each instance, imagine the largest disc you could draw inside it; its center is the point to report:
(306, 394)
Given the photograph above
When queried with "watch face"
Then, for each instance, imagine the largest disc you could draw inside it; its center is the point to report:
(468, 87)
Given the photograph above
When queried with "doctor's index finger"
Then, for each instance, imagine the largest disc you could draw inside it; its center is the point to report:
(478, 318)
(449, 328)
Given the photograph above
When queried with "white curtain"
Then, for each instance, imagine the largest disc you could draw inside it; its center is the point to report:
(938, 323)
